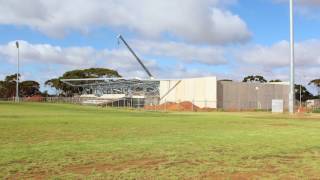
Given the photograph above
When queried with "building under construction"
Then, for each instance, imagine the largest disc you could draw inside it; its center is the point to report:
(203, 92)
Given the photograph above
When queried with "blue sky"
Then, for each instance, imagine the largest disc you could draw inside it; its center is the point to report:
(176, 38)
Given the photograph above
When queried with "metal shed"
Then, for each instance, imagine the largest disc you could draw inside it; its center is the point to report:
(250, 96)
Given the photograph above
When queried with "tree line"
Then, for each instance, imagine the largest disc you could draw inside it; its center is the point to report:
(305, 94)
(32, 88)
(66, 90)
(26, 88)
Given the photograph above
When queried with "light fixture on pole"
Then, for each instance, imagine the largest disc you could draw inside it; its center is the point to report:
(291, 93)
(18, 73)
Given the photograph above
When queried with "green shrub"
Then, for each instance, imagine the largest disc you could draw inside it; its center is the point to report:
(316, 110)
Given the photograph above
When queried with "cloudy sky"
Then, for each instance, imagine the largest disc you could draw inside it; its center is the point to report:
(175, 38)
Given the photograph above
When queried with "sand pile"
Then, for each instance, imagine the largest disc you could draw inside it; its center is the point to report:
(183, 106)
(35, 98)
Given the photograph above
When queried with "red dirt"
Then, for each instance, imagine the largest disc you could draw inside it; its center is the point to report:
(236, 175)
(302, 110)
(140, 163)
(87, 169)
(35, 98)
(183, 106)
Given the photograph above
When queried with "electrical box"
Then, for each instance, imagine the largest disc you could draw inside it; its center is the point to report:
(277, 106)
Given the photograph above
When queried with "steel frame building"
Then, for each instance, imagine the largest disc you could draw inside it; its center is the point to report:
(128, 86)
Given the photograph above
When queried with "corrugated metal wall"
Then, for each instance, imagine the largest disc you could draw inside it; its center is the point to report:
(250, 96)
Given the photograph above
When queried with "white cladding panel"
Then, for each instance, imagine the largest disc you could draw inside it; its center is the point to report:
(112, 96)
(201, 91)
(277, 106)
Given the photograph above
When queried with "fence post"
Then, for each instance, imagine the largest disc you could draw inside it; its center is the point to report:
(192, 105)
(165, 105)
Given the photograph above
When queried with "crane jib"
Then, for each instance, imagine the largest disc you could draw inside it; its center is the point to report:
(135, 55)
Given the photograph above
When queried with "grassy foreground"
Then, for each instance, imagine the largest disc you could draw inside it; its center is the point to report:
(51, 141)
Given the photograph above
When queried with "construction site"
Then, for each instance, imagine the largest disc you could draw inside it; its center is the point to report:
(189, 94)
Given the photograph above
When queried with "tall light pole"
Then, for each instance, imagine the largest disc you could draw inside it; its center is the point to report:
(18, 72)
(291, 93)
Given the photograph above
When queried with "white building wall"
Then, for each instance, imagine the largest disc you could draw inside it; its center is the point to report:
(201, 91)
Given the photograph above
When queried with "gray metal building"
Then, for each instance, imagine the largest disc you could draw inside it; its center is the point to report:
(250, 96)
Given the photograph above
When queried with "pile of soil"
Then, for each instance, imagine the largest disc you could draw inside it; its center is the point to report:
(183, 106)
(302, 110)
(35, 98)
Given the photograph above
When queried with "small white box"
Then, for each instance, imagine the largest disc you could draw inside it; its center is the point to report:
(277, 105)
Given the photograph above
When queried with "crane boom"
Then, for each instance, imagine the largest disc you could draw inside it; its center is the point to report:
(135, 55)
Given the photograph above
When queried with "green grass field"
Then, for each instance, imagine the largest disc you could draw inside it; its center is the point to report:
(51, 141)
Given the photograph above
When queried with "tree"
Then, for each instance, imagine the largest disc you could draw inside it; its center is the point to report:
(29, 88)
(305, 94)
(255, 78)
(67, 90)
(26, 88)
(57, 84)
(228, 80)
(2, 89)
(8, 86)
(276, 80)
(91, 73)
(316, 83)
(12, 78)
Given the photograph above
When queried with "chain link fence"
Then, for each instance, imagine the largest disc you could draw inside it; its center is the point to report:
(131, 103)
(313, 105)
(192, 106)
(60, 100)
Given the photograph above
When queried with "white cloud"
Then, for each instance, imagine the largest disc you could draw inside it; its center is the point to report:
(309, 2)
(307, 8)
(46, 53)
(122, 61)
(273, 61)
(187, 53)
(278, 55)
(275, 55)
(181, 71)
(204, 21)
(54, 60)
(45, 61)
(70, 58)
(302, 2)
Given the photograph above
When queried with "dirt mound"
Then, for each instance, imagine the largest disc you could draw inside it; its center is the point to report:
(35, 98)
(302, 110)
(170, 106)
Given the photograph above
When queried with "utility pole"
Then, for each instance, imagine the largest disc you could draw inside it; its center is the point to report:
(291, 93)
(18, 72)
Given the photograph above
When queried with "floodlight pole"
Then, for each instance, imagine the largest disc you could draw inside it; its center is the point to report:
(291, 93)
(18, 72)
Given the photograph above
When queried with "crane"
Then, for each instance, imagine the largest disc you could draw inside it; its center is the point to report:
(120, 37)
